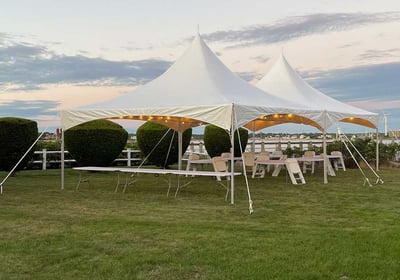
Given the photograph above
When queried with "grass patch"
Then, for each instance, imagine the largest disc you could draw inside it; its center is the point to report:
(341, 230)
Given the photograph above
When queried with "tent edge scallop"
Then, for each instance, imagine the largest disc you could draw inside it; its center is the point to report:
(177, 118)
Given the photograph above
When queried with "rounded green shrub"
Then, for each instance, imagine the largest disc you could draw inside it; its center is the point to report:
(96, 143)
(149, 134)
(217, 141)
(16, 136)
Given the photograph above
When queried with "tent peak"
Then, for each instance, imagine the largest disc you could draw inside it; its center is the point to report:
(283, 81)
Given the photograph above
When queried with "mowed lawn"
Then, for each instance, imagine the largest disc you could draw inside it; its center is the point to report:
(340, 230)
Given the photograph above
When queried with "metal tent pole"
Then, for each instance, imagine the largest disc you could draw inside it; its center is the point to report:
(232, 156)
(180, 143)
(325, 163)
(377, 150)
(62, 158)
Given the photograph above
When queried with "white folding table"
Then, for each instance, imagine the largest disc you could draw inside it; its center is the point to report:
(135, 171)
(95, 169)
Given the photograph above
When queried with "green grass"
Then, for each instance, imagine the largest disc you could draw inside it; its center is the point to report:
(341, 230)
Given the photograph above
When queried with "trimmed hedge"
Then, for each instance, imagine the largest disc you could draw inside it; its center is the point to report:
(96, 142)
(16, 136)
(217, 141)
(150, 133)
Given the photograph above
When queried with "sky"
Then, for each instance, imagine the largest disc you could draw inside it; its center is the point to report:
(56, 55)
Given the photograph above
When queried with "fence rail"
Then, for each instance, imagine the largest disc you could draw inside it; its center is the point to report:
(260, 145)
(46, 158)
(130, 156)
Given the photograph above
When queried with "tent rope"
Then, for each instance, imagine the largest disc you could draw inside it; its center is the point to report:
(251, 210)
(16, 165)
(169, 149)
(345, 140)
(158, 143)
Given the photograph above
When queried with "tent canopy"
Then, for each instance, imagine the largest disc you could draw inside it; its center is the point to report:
(283, 81)
(197, 89)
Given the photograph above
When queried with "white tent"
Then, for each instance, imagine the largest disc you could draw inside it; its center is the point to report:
(197, 89)
(283, 81)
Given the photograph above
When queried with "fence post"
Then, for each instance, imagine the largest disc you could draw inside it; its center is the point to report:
(201, 147)
(44, 159)
(128, 151)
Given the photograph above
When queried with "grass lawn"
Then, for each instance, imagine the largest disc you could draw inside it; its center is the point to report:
(341, 230)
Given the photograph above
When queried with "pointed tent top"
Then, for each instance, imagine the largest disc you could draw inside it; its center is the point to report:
(283, 81)
(197, 86)
(197, 78)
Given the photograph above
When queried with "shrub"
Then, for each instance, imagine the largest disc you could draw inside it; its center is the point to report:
(149, 134)
(16, 136)
(217, 141)
(294, 152)
(96, 142)
(367, 148)
(49, 145)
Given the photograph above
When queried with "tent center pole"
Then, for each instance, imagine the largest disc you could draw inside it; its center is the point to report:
(62, 159)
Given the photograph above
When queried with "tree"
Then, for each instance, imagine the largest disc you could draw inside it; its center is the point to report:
(97, 142)
(161, 153)
(217, 141)
(16, 136)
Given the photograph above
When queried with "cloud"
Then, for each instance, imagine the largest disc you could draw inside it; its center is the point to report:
(349, 45)
(376, 85)
(374, 54)
(25, 66)
(299, 26)
(249, 76)
(27, 109)
(261, 58)
(377, 105)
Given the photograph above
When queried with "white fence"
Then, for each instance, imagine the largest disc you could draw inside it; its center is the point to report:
(260, 145)
(130, 156)
(45, 158)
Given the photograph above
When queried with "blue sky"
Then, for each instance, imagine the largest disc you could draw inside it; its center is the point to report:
(61, 54)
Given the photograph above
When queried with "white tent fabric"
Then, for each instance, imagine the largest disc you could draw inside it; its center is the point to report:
(198, 88)
(283, 81)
